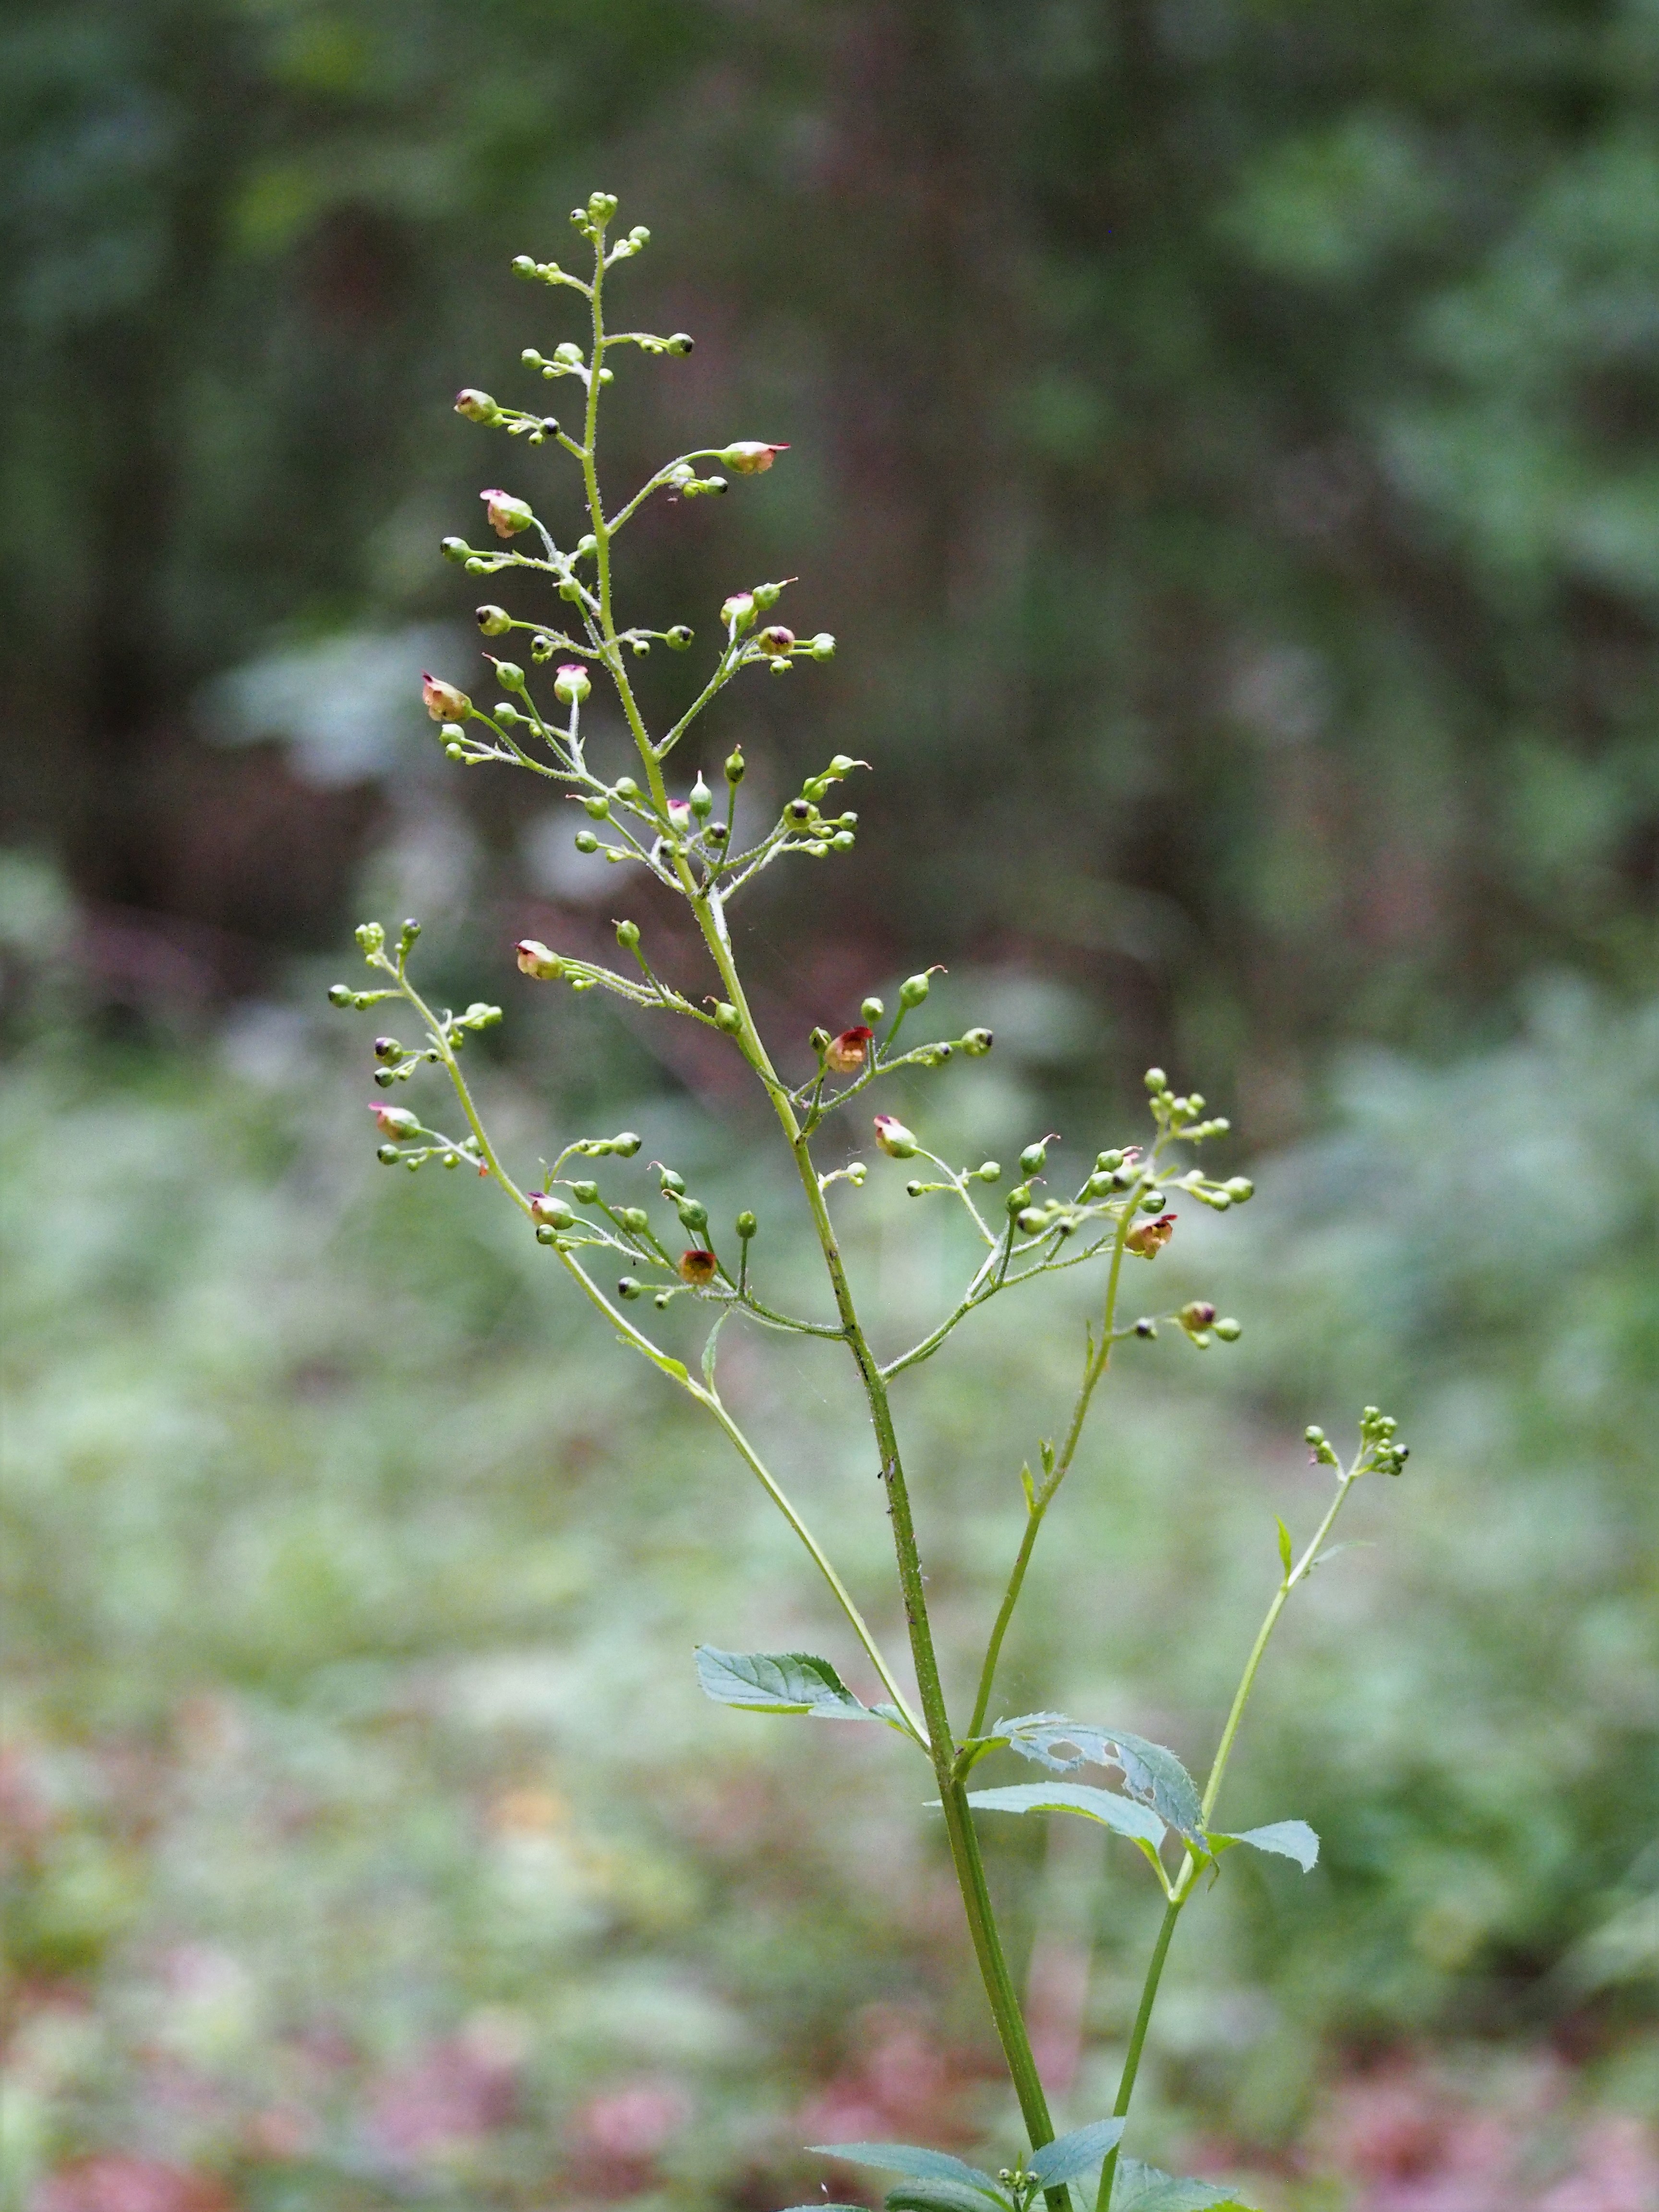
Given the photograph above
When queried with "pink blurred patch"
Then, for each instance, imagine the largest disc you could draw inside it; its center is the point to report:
(116, 2183)
(615, 2137)
(901, 2086)
(451, 2094)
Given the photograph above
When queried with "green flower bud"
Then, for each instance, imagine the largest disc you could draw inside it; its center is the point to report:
(455, 549)
(1033, 1159)
(596, 807)
(738, 609)
(628, 935)
(551, 1208)
(679, 638)
(679, 342)
(1229, 1330)
(1018, 1196)
(872, 1011)
(634, 1219)
(1151, 1201)
(494, 622)
(694, 1215)
(820, 1040)
(1157, 1081)
(703, 799)
(546, 1234)
(977, 1043)
(627, 1287)
(509, 674)
(536, 959)
(586, 842)
(914, 989)
(989, 1170)
(341, 994)
(735, 769)
(1107, 1161)
(895, 1139)
(747, 1225)
(727, 1017)
(572, 683)
(586, 1193)
(625, 1143)
(822, 646)
(476, 406)
(1146, 1326)
(625, 787)
(1238, 1188)
(775, 640)
(388, 1155)
(842, 841)
(673, 1185)
(1197, 1313)
(1029, 1219)
(524, 267)
(748, 457)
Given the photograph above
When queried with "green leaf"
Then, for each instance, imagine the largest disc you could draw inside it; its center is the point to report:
(945, 2197)
(1122, 1813)
(1289, 1839)
(1070, 2158)
(777, 1682)
(910, 2159)
(1285, 1547)
(1138, 2188)
(1150, 1772)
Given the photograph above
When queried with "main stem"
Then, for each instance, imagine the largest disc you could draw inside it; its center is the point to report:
(965, 1856)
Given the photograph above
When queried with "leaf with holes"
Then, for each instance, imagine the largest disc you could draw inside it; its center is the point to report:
(778, 1682)
(1150, 1772)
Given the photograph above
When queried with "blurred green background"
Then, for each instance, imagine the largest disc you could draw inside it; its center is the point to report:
(1224, 438)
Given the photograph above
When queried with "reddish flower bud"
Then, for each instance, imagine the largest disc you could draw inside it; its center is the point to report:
(738, 608)
(895, 1139)
(508, 515)
(546, 1205)
(443, 702)
(776, 640)
(1148, 1239)
(697, 1266)
(848, 1050)
(1197, 1315)
(536, 959)
(476, 406)
(571, 684)
(750, 458)
(394, 1120)
(679, 813)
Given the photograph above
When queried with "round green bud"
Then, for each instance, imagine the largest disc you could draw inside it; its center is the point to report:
(679, 638)
(383, 1078)
(871, 1011)
(523, 266)
(546, 1233)
(1238, 1188)
(989, 1170)
(1033, 1159)
(1313, 1434)
(510, 674)
(1146, 1326)
(703, 800)
(679, 342)
(1229, 1330)
(494, 622)
(976, 1042)
(727, 1017)
(340, 994)
(626, 1143)
(1018, 1196)
(388, 1155)
(1157, 1080)
(456, 548)
(634, 1219)
(625, 787)
(455, 751)
(628, 935)
(694, 1215)
(1098, 1186)
(585, 1192)
(570, 589)
(627, 1287)
(1151, 1201)
(822, 646)
(842, 841)
(586, 842)
(843, 764)
(596, 807)
(673, 1185)
(914, 989)
(1107, 1161)
(1030, 1219)
(820, 1040)
(541, 647)
(735, 767)
(747, 1225)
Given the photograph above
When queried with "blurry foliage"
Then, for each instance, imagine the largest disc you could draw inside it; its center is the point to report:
(1228, 439)
(370, 1832)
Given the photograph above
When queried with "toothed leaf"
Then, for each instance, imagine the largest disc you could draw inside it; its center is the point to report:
(777, 1682)
(1074, 2156)
(1121, 1814)
(1150, 1772)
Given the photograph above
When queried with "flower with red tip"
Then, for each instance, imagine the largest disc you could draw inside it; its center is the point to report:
(571, 684)
(539, 960)
(394, 1120)
(697, 1266)
(750, 457)
(507, 516)
(850, 1050)
(738, 608)
(776, 640)
(476, 406)
(444, 702)
(1148, 1239)
(895, 1139)
(679, 813)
